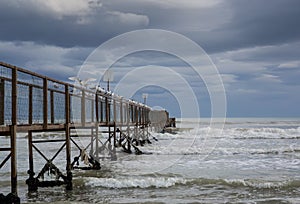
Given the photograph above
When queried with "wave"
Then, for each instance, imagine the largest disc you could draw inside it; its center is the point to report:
(276, 151)
(251, 151)
(287, 184)
(246, 133)
(166, 182)
(237, 183)
(272, 130)
(145, 182)
(235, 133)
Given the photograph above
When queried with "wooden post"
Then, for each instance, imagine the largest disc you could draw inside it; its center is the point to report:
(52, 106)
(97, 107)
(128, 126)
(68, 138)
(101, 111)
(121, 111)
(130, 109)
(96, 127)
(115, 136)
(83, 108)
(45, 103)
(13, 158)
(114, 109)
(107, 112)
(136, 115)
(31, 181)
(93, 110)
(115, 120)
(97, 143)
(13, 132)
(30, 105)
(2, 101)
(67, 119)
(30, 152)
(140, 115)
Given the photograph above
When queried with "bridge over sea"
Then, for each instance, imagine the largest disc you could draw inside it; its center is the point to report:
(32, 103)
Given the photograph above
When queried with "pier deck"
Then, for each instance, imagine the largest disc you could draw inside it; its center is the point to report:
(32, 103)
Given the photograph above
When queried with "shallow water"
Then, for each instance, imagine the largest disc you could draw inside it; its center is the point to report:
(249, 161)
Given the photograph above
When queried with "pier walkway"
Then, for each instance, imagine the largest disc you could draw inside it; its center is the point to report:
(33, 103)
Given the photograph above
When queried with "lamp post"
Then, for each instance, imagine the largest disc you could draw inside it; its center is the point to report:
(108, 77)
(145, 96)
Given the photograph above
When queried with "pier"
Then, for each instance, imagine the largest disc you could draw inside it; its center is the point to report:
(32, 104)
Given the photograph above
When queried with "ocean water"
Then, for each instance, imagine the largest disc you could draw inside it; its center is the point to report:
(249, 160)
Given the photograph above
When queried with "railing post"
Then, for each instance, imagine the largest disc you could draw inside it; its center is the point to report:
(114, 109)
(93, 111)
(83, 108)
(45, 103)
(101, 111)
(136, 115)
(2, 101)
(97, 107)
(30, 105)
(121, 111)
(13, 132)
(107, 112)
(52, 106)
(128, 121)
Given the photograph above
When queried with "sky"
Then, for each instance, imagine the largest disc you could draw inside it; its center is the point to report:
(255, 46)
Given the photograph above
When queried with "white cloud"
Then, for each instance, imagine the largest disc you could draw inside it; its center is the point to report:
(268, 78)
(227, 65)
(246, 91)
(186, 3)
(292, 64)
(60, 8)
(128, 18)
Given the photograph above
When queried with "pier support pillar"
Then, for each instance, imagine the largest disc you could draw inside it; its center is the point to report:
(31, 181)
(69, 185)
(13, 131)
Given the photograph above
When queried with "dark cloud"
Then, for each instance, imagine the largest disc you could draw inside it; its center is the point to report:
(254, 23)
(255, 43)
(226, 26)
(28, 23)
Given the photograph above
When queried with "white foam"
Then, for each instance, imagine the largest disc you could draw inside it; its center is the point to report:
(256, 184)
(134, 182)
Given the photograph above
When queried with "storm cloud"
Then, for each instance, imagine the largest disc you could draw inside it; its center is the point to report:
(254, 44)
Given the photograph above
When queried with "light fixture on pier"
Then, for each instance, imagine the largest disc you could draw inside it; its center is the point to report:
(145, 96)
(108, 77)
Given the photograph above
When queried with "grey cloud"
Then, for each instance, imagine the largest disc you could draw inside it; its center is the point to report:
(247, 39)
(228, 25)
(29, 24)
(256, 23)
(274, 53)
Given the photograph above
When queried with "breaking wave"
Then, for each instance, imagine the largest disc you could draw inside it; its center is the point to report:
(164, 182)
(145, 182)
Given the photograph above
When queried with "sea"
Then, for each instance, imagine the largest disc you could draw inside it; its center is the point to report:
(239, 160)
